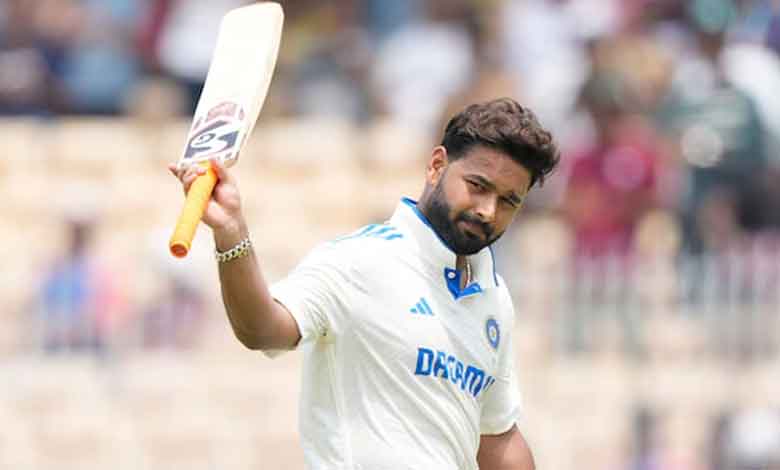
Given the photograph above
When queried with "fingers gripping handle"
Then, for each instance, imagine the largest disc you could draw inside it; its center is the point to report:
(194, 207)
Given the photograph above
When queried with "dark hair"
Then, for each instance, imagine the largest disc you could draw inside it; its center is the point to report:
(503, 125)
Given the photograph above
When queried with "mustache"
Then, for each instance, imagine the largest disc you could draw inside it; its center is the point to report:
(472, 219)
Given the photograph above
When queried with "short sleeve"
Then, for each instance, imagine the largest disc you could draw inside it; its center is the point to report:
(317, 292)
(502, 407)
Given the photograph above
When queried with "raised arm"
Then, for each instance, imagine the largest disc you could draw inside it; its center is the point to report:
(258, 321)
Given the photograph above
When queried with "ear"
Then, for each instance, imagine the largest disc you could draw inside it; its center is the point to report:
(436, 165)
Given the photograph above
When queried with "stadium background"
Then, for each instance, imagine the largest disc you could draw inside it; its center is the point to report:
(645, 273)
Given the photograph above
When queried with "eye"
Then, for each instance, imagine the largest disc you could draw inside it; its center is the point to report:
(475, 186)
(509, 202)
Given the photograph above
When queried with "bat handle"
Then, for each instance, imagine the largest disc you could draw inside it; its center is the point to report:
(194, 206)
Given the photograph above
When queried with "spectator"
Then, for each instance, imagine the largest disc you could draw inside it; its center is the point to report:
(79, 299)
(384, 18)
(28, 61)
(186, 41)
(544, 49)
(175, 317)
(151, 24)
(612, 183)
(330, 77)
(645, 440)
(423, 64)
(773, 31)
(753, 439)
(101, 66)
(719, 131)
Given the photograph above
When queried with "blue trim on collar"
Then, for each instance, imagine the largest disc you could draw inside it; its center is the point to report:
(452, 276)
(452, 284)
(413, 204)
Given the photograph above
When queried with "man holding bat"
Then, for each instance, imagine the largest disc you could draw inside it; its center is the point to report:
(405, 326)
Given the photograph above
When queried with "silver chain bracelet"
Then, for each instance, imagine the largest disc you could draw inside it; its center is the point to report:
(240, 250)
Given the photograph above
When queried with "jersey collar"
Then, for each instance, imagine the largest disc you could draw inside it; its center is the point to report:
(435, 252)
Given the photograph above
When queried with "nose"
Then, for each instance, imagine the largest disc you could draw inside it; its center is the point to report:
(486, 209)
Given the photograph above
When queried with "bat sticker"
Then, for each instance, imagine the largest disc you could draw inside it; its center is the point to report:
(218, 136)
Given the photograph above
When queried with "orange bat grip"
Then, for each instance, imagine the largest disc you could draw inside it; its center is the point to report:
(194, 207)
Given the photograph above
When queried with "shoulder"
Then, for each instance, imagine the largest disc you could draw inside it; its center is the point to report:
(361, 248)
(384, 232)
(506, 305)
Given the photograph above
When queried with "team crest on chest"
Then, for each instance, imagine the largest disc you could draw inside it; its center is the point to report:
(493, 332)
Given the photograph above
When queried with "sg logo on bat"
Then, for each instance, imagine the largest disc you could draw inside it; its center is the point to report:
(217, 135)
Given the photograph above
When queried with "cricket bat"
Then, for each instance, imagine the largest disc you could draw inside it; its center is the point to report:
(236, 85)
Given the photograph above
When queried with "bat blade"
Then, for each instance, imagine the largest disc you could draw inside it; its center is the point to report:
(236, 85)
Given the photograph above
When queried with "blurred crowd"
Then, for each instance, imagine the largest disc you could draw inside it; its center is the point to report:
(83, 306)
(657, 104)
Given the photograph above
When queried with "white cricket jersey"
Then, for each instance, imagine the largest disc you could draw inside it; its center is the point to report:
(402, 368)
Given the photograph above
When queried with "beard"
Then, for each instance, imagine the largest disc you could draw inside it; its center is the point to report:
(462, 241)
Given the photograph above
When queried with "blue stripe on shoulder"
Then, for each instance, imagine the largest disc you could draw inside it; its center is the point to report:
(358, 233)
(383, 231)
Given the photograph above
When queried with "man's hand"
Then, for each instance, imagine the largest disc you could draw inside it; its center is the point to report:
(258, 321)
(223, 212)
(507, 451)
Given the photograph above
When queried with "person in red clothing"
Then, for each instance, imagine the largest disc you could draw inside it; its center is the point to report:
(613, 180)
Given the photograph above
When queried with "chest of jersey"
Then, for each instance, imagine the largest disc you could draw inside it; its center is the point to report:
(408, 324)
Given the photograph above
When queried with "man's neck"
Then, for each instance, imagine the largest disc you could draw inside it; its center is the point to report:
(461, 265)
